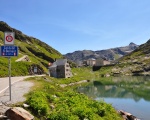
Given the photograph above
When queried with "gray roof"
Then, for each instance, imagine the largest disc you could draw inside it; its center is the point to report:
(92, 59)
(59, 62)
(53, 65)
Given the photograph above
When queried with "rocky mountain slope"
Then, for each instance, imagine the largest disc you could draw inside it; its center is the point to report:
(135, 63)
(38, 52)
(110, 54)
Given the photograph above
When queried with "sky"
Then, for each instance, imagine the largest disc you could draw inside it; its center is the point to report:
(71, 25)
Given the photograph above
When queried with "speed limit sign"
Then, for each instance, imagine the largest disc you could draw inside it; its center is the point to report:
(9, 38)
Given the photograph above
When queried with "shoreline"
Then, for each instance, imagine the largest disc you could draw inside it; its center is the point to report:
(75, 83)
(125, 115)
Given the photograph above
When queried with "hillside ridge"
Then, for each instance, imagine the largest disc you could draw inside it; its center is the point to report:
(21, 36)
(109, 54)
(135, 63)
(39, 53)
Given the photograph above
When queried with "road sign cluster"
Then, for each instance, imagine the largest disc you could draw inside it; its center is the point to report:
(9, 50)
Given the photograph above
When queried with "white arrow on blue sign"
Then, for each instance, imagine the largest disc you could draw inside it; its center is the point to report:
(9, 51)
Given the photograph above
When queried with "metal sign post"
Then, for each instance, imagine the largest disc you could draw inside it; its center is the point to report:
(9, 74)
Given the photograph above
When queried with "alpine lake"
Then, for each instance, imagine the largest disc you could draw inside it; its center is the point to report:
(128, 93)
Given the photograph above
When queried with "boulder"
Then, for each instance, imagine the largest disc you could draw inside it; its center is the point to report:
(127, 116)
(18, 113)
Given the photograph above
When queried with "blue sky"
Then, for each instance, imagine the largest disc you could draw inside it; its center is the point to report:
(70, 25)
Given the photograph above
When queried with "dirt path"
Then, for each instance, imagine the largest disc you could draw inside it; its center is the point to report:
(4, 82)
(19, 89)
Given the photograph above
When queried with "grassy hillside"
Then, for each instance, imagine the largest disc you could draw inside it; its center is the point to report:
(135, 63)
(38, 52)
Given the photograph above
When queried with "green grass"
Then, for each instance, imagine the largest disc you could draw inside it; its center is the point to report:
(84, 73)
(67, 104)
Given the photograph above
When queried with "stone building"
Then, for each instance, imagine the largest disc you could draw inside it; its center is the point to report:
(91, 62)
(60, 69)
(101, 62)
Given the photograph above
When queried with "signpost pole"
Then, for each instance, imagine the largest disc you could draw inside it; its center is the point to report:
(9, 50)
(9, 73)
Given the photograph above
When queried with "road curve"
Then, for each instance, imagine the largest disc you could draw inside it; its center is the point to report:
(4, 82)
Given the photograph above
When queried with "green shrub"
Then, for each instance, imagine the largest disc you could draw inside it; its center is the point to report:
(38, 102)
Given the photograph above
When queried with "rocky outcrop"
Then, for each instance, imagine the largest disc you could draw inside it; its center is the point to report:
(24, 58)
(138, 61)
(18, 113)
(14, 113)
(135, 63)
(109, 54)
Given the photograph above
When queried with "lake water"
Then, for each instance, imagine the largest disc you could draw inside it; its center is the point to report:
(132, 96)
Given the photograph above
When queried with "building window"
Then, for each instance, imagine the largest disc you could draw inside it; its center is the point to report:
(67, 65)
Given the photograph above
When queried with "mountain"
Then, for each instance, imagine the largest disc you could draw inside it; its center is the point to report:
(38, 53)
(135, 63)
(109, 54)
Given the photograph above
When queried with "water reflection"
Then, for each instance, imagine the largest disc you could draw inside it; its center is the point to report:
(107, 91)
(130, 94)
(136, 88)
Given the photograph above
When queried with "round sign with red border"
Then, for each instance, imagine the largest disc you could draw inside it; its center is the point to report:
(9, 38)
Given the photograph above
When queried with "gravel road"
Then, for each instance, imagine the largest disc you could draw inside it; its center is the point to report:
(18, 90)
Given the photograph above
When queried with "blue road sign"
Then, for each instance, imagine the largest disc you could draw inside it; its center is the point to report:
(9, 51)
